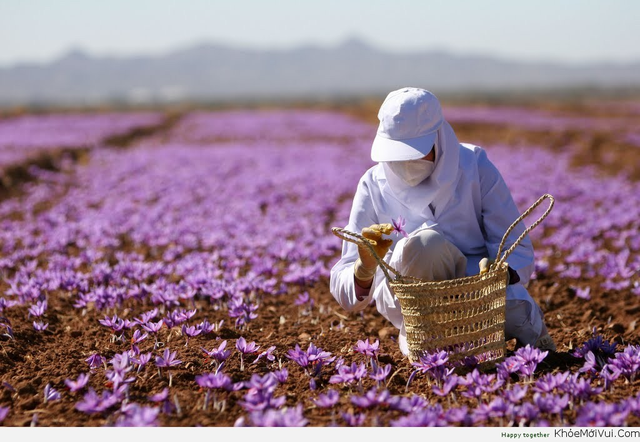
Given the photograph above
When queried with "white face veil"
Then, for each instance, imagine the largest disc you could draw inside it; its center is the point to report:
(438, 188)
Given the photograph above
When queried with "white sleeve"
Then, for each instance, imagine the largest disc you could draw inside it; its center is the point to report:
(342, 284)
(499, 211)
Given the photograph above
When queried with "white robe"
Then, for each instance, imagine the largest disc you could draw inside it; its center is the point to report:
(473, 210)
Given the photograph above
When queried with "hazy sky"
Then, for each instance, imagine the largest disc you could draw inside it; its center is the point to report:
(557, 30)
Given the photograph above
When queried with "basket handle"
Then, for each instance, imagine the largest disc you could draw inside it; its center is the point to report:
(499, 259)
(369, 243)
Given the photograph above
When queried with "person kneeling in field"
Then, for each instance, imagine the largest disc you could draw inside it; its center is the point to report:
(456, 206)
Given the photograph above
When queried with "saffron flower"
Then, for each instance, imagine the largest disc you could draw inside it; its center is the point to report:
(516, 393)
(449, 384)
(50, 394)
(38, 309)
(583, 292)
(78, 384)
(407, 404)
(286, 417)
(367, 349)
(598, 346)
(190, 332)
(95, 361)
(166, 406)
(4, 411)
(628, 362)
(167, 360)
(138, 416)
(398, 226)
(40, 326)
(218, 355)
(327, 400)
(138, 336)
(354, 419)
(268, 354)
(602, 414)
(379, 374)
(244, 348)
(281, 375)
(372, 398)
(211, 381)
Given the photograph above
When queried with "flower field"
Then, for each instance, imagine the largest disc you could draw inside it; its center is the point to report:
(181, 279)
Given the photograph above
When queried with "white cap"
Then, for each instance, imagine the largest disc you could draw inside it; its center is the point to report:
(409, 120)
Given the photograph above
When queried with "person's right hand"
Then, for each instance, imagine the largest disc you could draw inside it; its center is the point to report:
(375, 232)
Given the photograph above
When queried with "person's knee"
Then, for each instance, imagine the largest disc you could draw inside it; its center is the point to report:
(427, 243)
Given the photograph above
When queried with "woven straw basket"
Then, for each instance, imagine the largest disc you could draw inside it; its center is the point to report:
(463, 316)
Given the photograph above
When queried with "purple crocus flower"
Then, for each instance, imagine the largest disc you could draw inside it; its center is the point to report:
(286, 417)
(245, 348)
(302, 298)
(168, 359)
(138, 336)
(602, 414)
(628, 362)
(428, 417)
(50, 394)
(166, 406)
(433, 364)
(146, 316)
(450, 382)
(215, 381)
(508, 367)
(313, 356)
(153, 327)
(327, 400)
(349, 373)
(160, 397)
(459, 415)
(38, 308)
(4, 411)
(598, 346)
(367, 349)
(525, 413)
(516, 393)
(219, 354)
(78, 384)
(8, 330)
(139, 416)
(549, 382)
(354, 419)
(609, 374)
(379, 374)
(114, 323)
(142, 360)
(551, 403)
(95, 361)
(190, 332)
(40, 326)
(268, 354)
(407, 404)
(281, 375)
(398, 226)
(583, 292)
(372, 398)
(205, 327)
(590, 364)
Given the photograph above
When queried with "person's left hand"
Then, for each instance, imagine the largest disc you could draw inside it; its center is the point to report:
(485, 263)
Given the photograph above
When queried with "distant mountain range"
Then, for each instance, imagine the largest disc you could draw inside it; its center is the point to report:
(217, 73)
